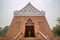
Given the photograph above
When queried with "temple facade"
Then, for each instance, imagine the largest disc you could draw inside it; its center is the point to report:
(29, 24)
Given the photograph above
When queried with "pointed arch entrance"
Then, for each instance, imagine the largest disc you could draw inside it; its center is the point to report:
(29, 28)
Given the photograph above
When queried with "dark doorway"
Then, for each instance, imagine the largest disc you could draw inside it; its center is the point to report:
(29, 31)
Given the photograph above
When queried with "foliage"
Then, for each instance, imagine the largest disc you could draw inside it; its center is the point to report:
(3, 31)
(0, 31)
(56, 29)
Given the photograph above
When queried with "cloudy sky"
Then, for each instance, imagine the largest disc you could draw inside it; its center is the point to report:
(7, 8)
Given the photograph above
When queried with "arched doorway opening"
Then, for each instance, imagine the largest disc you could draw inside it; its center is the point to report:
(29, 29)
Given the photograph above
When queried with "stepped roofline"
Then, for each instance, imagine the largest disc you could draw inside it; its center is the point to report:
(29, 10)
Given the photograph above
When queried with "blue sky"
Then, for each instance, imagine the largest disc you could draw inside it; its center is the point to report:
(7, 8)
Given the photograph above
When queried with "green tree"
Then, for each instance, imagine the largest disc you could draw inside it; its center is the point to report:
(4, 31)
(56, 29)
(0, 31)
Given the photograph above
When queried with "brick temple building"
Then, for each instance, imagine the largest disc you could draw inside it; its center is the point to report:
(29, 24)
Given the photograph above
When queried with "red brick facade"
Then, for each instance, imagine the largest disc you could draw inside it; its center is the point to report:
(18, 25)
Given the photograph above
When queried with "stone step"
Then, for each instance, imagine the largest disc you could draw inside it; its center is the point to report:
(30, 38)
